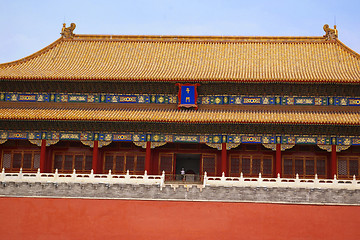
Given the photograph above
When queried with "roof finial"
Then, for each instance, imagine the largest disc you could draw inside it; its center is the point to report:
(330, 34)
(67, 32)
(336, 31)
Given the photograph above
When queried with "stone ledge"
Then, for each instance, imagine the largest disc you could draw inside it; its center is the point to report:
(181, 193)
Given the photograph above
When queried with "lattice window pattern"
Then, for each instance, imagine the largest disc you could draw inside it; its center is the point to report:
(299, 166)
(342, 167)
(28, 160)
(58, 161)
(235, 164)
(119, 163)
(88, 162)
(36, 160)
(288, 166)
(166, 163)
(245, 165)
(6, 160)
(320, 167)
(267, 165)
(348, 166)
(353, 167)
(140, 164)
(68, 161)
(109, 163)
(209, 164)
(304, 166)
(16, 161)
(130, 163)
(310, 165)
(251, 164)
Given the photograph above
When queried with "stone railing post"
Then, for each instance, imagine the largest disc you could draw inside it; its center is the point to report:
(108, 177)
(278, 180)
(353, 182)
(241, 179)
(127, 176)
(145, 176)
(2, 175)
(20, 175)
(297, 179)
(205, 179)
(91, 176)
(73, 175)
(316, 181)
(223, 179)
(38, 175)
(56, 175)
(259, 181)
(162, 184)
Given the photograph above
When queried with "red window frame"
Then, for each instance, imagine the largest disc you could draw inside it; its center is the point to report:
(251, 168)
(18, 153)
(70, 161)
(132, 161)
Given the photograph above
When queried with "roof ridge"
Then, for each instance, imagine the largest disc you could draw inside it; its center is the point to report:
(204, 38)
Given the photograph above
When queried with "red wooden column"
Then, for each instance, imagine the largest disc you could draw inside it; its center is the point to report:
(95, 156)
(278, 160)
(43, 156)
(333, 161)
(223, 159)
(148, 157)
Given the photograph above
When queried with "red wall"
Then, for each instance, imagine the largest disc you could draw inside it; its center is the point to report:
(41, 218)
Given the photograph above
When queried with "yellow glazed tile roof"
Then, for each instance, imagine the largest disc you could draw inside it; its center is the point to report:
(196, 59)
(181, 116)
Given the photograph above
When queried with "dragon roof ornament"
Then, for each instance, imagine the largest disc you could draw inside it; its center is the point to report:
(330, 34)
(67, 32)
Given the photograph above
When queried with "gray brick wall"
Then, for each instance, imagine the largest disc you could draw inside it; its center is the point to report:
(182, 193)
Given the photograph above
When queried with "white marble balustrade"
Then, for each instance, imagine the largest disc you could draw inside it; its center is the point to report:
(281, 182)
(82, 178)
(160, 180)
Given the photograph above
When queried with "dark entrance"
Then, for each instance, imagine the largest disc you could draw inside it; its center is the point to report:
(191, 165)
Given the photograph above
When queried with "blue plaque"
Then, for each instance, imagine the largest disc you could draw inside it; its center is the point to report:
(187, 96)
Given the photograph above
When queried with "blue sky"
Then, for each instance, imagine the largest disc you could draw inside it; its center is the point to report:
(28, 26)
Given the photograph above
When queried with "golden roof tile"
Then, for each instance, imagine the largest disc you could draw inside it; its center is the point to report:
(189, 58)
(181, 116)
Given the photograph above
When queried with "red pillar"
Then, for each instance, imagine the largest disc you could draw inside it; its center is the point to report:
(95, 156)
(43, 156)
(278, 160)
(223, 159)
(333, 161)
(148, 157)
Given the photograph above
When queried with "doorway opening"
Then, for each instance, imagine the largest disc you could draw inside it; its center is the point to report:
(191, 165)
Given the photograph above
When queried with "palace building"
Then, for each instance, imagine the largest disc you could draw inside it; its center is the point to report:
(269, 105)
(221, 107)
